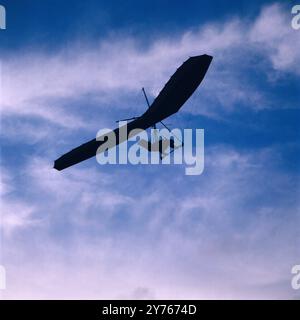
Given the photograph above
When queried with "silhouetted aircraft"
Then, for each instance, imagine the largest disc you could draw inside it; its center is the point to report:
(175, 93)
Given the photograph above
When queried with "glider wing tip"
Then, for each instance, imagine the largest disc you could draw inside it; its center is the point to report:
(55, 166)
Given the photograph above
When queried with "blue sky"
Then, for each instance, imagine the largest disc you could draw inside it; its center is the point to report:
(69, 70)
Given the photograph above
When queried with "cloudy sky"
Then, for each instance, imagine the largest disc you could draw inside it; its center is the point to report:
(71, 68)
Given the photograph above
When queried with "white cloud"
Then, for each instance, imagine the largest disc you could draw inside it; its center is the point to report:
(5, 182)
(46, 85)
(227, 234)
(15, 214)
(272, 32)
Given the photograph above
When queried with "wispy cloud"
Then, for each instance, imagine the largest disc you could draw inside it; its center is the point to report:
(273, 34)
(138, 232)
(15, 213)
(47, 85)
(162, 238)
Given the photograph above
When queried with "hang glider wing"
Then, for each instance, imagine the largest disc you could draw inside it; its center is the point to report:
(175, 93)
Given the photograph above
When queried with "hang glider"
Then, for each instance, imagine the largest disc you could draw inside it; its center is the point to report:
(175, 93)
